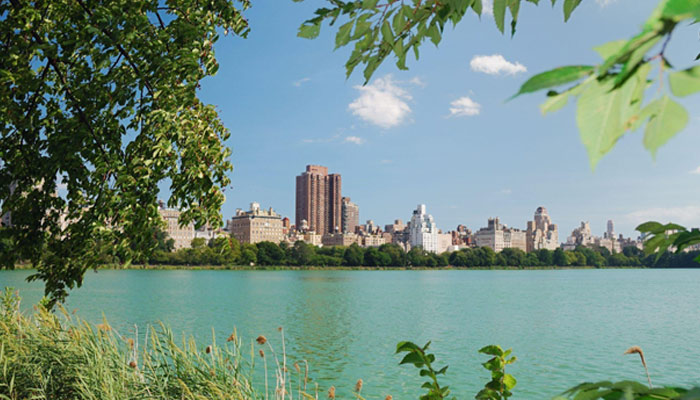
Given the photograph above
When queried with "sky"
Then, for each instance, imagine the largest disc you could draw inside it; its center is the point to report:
(441, 133)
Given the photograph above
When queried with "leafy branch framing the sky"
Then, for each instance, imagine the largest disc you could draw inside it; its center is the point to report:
(611, 95)
(103, 97)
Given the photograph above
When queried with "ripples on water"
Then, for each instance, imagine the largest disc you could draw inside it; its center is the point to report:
(565, 327)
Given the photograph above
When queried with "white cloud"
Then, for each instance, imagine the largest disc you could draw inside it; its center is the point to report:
(386, 161)
(322, 140)
(417, 81)
(605, 3)
(506, 192)
(300, 82)
(688, 215)
(496, 64)
(487, 7)
(382, 103)
(354, 140)
(696, 171)
(464, 107)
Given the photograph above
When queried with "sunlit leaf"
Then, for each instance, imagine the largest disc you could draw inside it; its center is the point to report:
(670, 119)
(686, 82)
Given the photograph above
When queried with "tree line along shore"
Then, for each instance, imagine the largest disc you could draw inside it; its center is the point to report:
(227, 252)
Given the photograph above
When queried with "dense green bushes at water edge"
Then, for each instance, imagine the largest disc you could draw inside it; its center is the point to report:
(227, 251)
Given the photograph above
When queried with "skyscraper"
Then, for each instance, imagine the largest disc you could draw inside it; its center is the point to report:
(351, 215)
(610, 233)
(542, 233)
(423, 231)
(319, 200)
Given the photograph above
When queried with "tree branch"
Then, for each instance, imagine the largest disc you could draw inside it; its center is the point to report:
(121, 50)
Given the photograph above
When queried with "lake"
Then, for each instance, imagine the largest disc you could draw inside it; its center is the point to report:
(565, 326)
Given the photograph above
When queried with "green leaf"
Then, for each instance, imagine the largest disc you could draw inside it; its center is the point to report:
(509, 381)
(555, 77)
(558, 100)
(651, 226)
(514, 6)
(477, 6)
(492, 350)
(682, 9)
(387, 35)
(413, 358)
(670, 119)
(499, 13)
(609, 49)
(343, 36)
(369, 4)
(407, 346)
(686, 82)
(309, 31)
(569, 7)
(434, 34)
(599, 117)
(635, 58)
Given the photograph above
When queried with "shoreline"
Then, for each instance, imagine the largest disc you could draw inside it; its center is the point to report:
(338, 268)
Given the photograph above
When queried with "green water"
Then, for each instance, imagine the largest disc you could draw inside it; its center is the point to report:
(564, 326)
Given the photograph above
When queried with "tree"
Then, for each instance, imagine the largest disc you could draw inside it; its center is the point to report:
(302, 253)
(559, 258)
(249, 254)
(270, 254)
(197, 243)
(396, 254)
(164, 243)
(354, 256)
(513, 257)
(104, 96)
(545, 257)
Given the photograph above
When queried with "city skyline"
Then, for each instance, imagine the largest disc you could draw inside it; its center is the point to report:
(316, 179)
(443, 135)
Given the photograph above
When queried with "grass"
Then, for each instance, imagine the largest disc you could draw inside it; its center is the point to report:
(58, 357)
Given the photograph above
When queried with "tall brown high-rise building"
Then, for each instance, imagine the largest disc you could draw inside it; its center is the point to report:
(319, 200)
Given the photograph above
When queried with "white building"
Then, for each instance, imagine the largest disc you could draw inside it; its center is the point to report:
(423, 231)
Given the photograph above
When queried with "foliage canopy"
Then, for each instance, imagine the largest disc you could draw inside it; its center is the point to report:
(102, 97)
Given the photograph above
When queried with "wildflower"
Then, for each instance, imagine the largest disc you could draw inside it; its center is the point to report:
(331, 393)
(388, 397)
(262, 354)
(358, 385)
(232, 337)
(208, 349)
(261, 339)
(131, 343)
(296, 367)
(132, 364)
(279, 329)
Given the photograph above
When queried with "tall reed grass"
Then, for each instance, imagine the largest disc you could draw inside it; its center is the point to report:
(57, 356)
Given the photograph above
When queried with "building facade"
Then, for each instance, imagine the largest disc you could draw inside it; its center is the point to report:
(351, 215)
(319, 200)
(182, 235)
(340, 239)
(256, 225)
(541, 232)
(422, 230)
(499, 237)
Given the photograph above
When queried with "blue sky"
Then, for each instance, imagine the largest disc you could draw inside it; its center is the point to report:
(397, 143)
